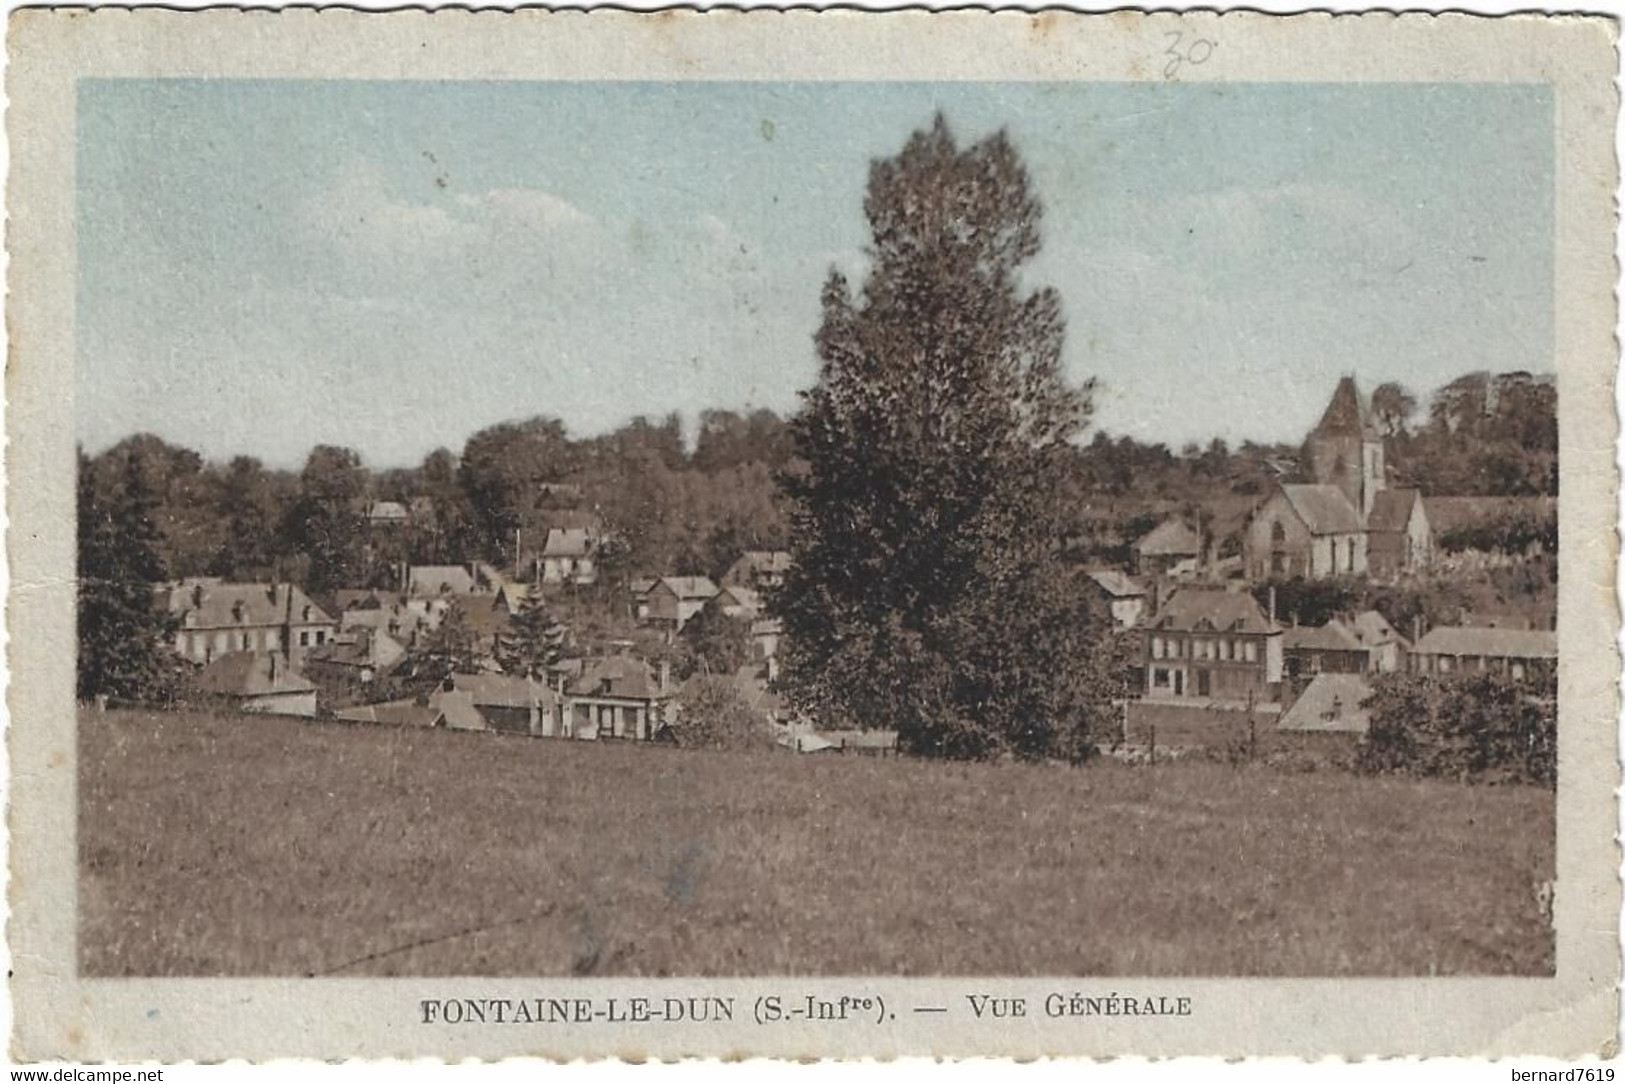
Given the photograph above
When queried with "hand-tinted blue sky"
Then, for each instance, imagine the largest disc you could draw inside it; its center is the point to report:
(388, 265)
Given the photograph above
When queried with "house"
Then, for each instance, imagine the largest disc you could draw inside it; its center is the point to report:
(1211, 643)
(502, 703)
(1172, 548)
(765, 636)
(1517, 653)
(1123, 596)
(758, 569)
(258, 681)
(674, 599)
(616, 697)
(1332, 648)
(569, 555)
(215, 618)
(1330, 704)
(407, 620)
(429, 581)
(1400, 538)
(734, 601)
(360, 657)
(1385, 647)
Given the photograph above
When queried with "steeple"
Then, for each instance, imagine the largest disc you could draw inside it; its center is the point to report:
(1345, 450)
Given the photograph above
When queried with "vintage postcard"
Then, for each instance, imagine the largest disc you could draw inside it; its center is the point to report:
(811, 535)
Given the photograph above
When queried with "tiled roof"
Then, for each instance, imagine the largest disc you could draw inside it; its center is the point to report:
(620, 676)
(1332, 636)
(1391, 509)
(439, 579)
(1323, 509)
(208, 604)
(503, 690)
(251, 673)
(1195, 608)
(1494, 643)
(1331, 704)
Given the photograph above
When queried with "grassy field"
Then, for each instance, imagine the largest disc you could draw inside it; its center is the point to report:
(218, 845)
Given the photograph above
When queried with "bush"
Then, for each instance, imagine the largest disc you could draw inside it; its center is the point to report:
(712, 714)
(1480, 727)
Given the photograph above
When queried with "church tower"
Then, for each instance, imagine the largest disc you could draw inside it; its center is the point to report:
(1345, 449)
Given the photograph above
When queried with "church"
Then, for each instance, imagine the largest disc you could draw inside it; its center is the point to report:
(1346, 520)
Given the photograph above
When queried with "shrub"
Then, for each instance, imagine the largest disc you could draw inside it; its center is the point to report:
(1479, 727)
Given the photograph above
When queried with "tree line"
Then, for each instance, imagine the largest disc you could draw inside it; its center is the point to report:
(669, 509)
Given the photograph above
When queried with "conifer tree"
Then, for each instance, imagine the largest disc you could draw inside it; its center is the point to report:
(537, 640)
(926, 593)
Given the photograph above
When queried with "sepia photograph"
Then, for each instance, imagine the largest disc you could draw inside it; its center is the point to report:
(669, 529)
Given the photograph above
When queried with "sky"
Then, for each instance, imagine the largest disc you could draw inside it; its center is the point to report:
(391, 266)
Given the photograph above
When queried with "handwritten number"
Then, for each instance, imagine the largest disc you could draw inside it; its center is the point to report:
(1199, 51)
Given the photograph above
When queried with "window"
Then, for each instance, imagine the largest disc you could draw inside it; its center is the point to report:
(1156, 647)
(304, 639)
(1277, 535)
(1250, 649)
(1159, 678)
(1349, 566)
(321, 636)
(1444, 664)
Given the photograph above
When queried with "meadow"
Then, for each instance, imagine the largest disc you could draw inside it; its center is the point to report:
(214, 845)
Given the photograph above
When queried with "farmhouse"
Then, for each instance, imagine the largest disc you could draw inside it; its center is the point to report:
(260, 682)
(569, 555)
(216, 618)
(1211, 643)
(1517, 653)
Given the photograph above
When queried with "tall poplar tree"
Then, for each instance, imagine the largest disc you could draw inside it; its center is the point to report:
(121, 630)
(927, 593)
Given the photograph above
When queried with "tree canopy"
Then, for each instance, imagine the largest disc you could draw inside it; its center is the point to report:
(926, 592)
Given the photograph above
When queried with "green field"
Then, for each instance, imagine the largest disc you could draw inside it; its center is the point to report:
(220, 845)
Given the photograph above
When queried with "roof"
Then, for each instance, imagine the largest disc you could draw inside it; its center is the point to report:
(1323, 509)
(1194, 609)
(387, 510)
(618, 676)
(502, 690)
(1331, 704)
(1494, 643)
(439, 579)
(206, 604)
(690, 586)
(251, 673)
(747, 598)
(1172, 537)
(360, 651)
(1391, 509)
(1116, 584)
(393, 712)
(1348, 414)
(351, 599)
(511, 596)
(1332, 636)
(568, 542)
(1372, 628)
(642, 585)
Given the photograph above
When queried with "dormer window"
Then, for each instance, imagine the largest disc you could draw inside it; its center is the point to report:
(237, 611)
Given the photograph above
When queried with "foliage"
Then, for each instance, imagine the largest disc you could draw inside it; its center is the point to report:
(122, 633)
(926, 593)
(325, 523)
(1472, 727)
(712, 643)
(1486, 435)
(452, 647)
(712, 714)
(1510, 531)
(536, 641)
